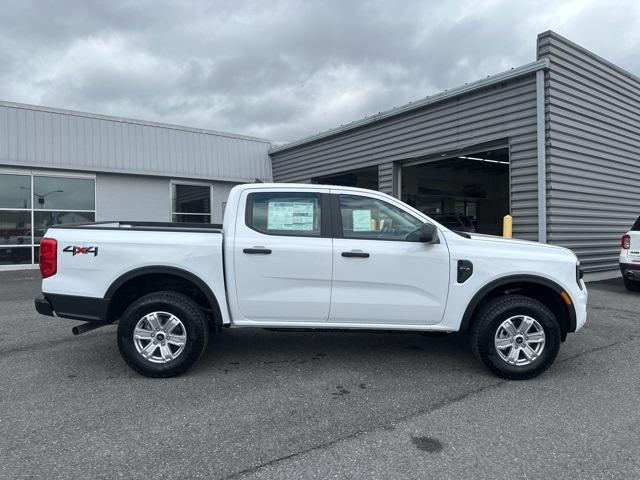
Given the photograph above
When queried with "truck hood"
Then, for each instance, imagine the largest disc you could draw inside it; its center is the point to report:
(514, 242)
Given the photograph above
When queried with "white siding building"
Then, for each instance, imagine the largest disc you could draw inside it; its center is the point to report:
(61, 166)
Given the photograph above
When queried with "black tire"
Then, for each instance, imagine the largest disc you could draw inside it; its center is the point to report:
(194, 324)
(631, 285)
(488, 321)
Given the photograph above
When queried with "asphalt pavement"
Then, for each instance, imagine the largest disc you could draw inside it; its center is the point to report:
(316, 405)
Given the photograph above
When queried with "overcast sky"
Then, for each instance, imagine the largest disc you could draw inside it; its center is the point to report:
(281, 70)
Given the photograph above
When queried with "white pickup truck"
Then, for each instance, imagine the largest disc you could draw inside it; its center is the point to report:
(311, 257)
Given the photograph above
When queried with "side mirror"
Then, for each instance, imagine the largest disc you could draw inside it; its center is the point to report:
(428, 233)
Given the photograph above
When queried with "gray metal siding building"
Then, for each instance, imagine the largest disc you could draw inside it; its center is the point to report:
(562, 135)
(593, 151)
(61, 166)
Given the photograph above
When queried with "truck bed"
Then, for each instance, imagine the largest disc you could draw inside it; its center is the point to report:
(95, 259)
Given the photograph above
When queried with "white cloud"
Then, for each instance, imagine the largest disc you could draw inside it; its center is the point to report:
(281, 69)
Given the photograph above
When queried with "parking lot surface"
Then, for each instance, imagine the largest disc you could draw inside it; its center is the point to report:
(316, 405)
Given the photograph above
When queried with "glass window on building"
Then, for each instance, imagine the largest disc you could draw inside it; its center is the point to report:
(60, 193)
(29, 204)
(15, 219)
(190, 203)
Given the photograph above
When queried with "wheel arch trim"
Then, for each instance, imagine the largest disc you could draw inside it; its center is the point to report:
(164, 270)
(503, 281)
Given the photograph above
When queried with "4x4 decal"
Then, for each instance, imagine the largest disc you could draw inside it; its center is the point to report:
(81, 250)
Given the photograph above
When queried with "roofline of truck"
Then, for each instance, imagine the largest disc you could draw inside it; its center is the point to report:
(306, 186)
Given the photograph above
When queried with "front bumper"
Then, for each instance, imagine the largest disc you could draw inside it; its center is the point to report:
(89, 309)
(580, 300)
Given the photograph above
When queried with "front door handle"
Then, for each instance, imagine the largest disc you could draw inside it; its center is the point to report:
(257, 251)
(355, 254)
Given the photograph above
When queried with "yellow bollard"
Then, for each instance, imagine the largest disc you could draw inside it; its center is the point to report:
(507, 226)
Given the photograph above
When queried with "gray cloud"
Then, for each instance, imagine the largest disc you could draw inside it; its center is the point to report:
(280, 69)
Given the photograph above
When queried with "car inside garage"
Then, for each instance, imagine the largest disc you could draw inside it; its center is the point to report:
(468, 192)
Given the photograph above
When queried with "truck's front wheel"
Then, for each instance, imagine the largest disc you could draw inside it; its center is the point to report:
(517, 337)
(162, 334)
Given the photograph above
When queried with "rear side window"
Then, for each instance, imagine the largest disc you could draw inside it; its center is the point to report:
(283, 213)
(636, 226)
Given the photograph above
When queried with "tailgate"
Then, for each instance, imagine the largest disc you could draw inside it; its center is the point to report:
(634, 248)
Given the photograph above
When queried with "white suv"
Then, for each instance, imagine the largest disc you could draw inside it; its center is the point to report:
(630, 257)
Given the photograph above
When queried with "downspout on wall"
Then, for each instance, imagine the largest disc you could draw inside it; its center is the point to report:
(542, 161)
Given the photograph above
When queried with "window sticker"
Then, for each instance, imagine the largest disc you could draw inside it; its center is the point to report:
(290, 216)
(361, 220)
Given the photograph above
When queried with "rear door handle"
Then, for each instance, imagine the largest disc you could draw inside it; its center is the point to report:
(257, 251)
(355, 254)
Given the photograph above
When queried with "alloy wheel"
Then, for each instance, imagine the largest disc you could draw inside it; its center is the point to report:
(159, 337)
(519, 340)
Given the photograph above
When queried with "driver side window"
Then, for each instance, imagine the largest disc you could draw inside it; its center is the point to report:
(371, 219)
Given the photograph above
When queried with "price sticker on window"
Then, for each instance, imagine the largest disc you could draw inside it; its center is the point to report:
(361, 220)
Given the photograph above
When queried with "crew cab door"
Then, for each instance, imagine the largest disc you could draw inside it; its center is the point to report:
(283, 256)
(382, 273)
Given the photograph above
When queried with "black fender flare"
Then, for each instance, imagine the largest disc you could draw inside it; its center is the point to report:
(480, 294)
(159, 269)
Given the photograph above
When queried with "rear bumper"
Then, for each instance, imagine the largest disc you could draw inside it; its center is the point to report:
(43, 307)
(630, 271)
(88, 309)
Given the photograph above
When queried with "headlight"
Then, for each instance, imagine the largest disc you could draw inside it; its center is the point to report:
(579, 274)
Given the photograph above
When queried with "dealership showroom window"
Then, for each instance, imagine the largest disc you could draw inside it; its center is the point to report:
(31, 202)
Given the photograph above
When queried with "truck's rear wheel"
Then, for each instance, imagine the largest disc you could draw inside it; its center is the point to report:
(517, 337)
(162, 334)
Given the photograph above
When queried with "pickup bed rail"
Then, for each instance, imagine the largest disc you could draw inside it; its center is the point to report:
(147, 226)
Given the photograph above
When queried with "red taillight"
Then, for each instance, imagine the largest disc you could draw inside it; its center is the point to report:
(48, 257)
(625, 241)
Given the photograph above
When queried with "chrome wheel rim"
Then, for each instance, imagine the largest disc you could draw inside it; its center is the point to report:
(519, 340)
(160, 337)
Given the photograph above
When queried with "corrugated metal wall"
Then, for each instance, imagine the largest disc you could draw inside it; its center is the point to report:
(498, 112)
(385, 178)
(593, 151)
(40, 137)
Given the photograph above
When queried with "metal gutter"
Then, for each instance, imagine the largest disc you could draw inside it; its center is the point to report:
(439, 97)
(10, 167)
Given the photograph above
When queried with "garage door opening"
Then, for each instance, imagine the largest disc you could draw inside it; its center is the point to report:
(467, 193)
(365, 178)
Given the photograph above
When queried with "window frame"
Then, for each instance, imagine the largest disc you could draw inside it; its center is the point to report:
(326, 213)
(192, 184)
(31, 244)
(31, 173)
(337, 218)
